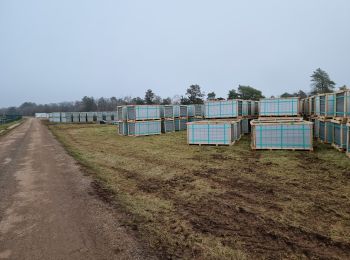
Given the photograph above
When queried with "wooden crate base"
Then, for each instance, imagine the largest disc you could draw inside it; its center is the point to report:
(222, 118)
(340, 149)
(325, 117)
(213, 144)
(145, 135)
(291, 116)
(322, 141)
(145, 120)
(275, 148)
(340, 120)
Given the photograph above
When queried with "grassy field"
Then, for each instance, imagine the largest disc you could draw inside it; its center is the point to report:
(220, 202)
(4, 128)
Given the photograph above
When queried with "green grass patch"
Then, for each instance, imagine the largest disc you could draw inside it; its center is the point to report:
(5, 128)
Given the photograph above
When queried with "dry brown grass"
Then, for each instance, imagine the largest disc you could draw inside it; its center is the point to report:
(220, 202)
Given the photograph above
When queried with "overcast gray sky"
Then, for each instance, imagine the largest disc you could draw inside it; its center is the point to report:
(53, 51)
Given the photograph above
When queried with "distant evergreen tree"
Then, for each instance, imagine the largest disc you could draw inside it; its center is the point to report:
(149, 97)
(166, 101)
(194, 95)
(321, 82)
(248, 92)
(211, 95)
(301, 94)
(232, 94)
(286, 94)
(137, 101)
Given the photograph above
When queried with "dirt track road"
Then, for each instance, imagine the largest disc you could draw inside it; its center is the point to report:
(48, 208)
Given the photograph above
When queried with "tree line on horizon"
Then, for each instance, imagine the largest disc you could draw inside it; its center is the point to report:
(320, 83)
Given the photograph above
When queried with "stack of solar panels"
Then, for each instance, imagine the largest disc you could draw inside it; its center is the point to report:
(290, 134)
(221, 116)
(330, 112)
(280, 126)
(122, 120)
(56, 117)
(139, 120)
(90, 116)
(214, 132)
(66, 117)
(83, 117)
(76, 117)
(348, 140)
(175, 118)
(195, 112)
(279, 107)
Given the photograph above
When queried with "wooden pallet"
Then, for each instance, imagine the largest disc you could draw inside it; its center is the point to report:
(280, 119)
(337, 147)
(144, 120)
(248, 117)
(284, 148)
(281, 116)
(222, 118)
(322, 141)
(325, 117)
(341, 120)
(214, 144)
(144, 135)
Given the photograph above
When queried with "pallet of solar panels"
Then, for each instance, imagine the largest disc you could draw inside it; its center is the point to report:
(121, 113)
(175, 118)
(83, 117)
(101, 116)
(245, 126)
(144, 119)
(50, 117)
(121, 118)
(279, 107)
(303, 107)
(90, 117)
(56, 117)
(231, 108)
(254, 111)
(307, 108)
(342, 105)
(316, 123)
(110, 116)
(114, 116)
(312, 105)
(195, 112)
(66, 117)
(325, 130)
(282, 134)
(218, 109)
(214, 132)
(122, 127)
(325, 105)
(348, 139)
(167, 114)
(339, 135)
(75, 117)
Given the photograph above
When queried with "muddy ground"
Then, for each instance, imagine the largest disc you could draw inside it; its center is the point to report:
(50, 209)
